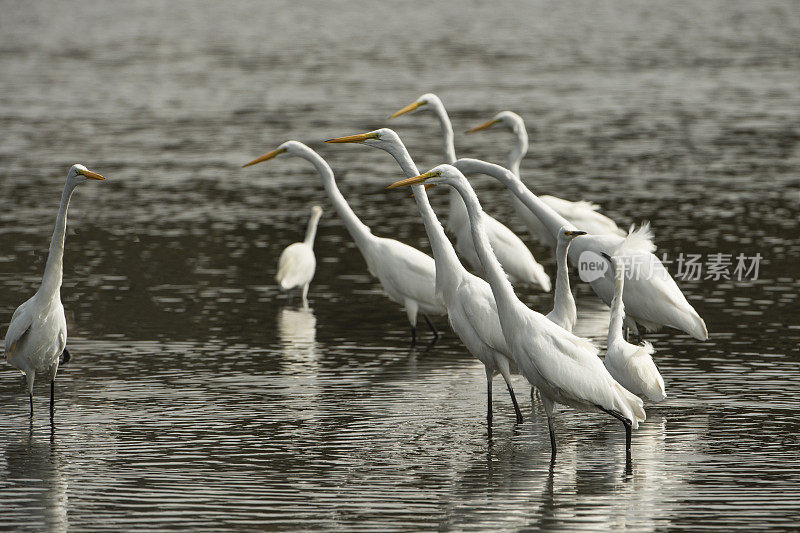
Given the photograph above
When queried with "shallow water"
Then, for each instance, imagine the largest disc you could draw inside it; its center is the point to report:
(199, 396)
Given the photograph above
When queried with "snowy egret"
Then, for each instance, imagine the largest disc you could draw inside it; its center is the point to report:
(37, 335)
(297, 263)
(517, 260)
(565, 368)
(630, 364)
(407, 275)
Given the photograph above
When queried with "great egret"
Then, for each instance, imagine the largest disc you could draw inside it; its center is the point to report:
(565, 368)
(297, 263)
(652, 298)
(583, 215)
(631, 365)
(517, 260)
(407, 275)
(564, 312)
(470, 304)
(37, 335)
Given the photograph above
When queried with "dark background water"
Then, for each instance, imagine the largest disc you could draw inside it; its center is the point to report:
(200, 396)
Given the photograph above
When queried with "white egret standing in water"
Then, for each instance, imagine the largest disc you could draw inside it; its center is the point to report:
(407, 275)
(565, 368)
(584, 215)
(631, 365)
(470, 304)
(517, 260)
(297, 262)
(652, 298)
(564, 312)
(37, 335)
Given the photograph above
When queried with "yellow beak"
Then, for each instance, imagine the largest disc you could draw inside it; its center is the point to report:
(360, 138)
(91, 175)
(407, 109)
(265, 157)
(575, 233)
(416, 180)
(484, 126)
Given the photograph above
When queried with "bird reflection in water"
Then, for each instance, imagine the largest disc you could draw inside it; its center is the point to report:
(297, 330)
(32, 462)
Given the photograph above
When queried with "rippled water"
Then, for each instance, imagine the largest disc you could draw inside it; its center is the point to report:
(199, 396)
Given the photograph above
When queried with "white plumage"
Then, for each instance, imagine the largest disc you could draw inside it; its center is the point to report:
(582, 214)
(407, 275)
(630, 364)
(652, 299)
(471, 308)
(518, 262)
(564, 368)
(565, 312)
(297, 263)
(37, 334)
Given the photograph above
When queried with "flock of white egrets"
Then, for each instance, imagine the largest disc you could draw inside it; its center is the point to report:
(483, 310)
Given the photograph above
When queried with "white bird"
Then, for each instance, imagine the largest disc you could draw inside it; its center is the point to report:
(297, 264)
(470, 304)
(652, 298)
(582, 214)
(630, 364)
(565, 368)
(565, 312)
(407, 275)
(517, 260)
(37, 335)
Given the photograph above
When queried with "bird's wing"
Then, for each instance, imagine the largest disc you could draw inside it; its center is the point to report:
(516, 258)
(475, 297)
(641, 365)
(21, 322)
(296, 266)
(406, 271)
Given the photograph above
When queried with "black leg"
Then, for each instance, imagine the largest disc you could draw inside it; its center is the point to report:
(30, 396)
(489, 405)
(430, 325)
(52, 397)
(552, 439)
(516, 405)
(65, 357)
(413, 336)
(627, 425)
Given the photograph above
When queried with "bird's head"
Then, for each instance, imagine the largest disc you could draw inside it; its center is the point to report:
(384, 138)
(439, 175)
(78, 174)
(507, 119)
(289, 147)
(427, 101)
(566, 235)
(316, 211)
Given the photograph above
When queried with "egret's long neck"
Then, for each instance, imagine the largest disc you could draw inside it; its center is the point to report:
(501, 287)
(563, 301)
(551, 220)
(519, 150)
(311, 230)
(448, 138)
(443, 253)
(458, 213)
(357, 229)
(617, 307)
(54, 269)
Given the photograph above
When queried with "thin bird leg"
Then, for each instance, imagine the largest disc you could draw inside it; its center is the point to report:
(430, 325)
(627, 425)
(516, 405)
(552, 438)
(30, 396)
(413, 336)
(305, 296)
(489, 400)
(52, 396)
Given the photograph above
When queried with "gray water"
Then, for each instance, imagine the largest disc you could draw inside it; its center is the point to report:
(199, 396)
